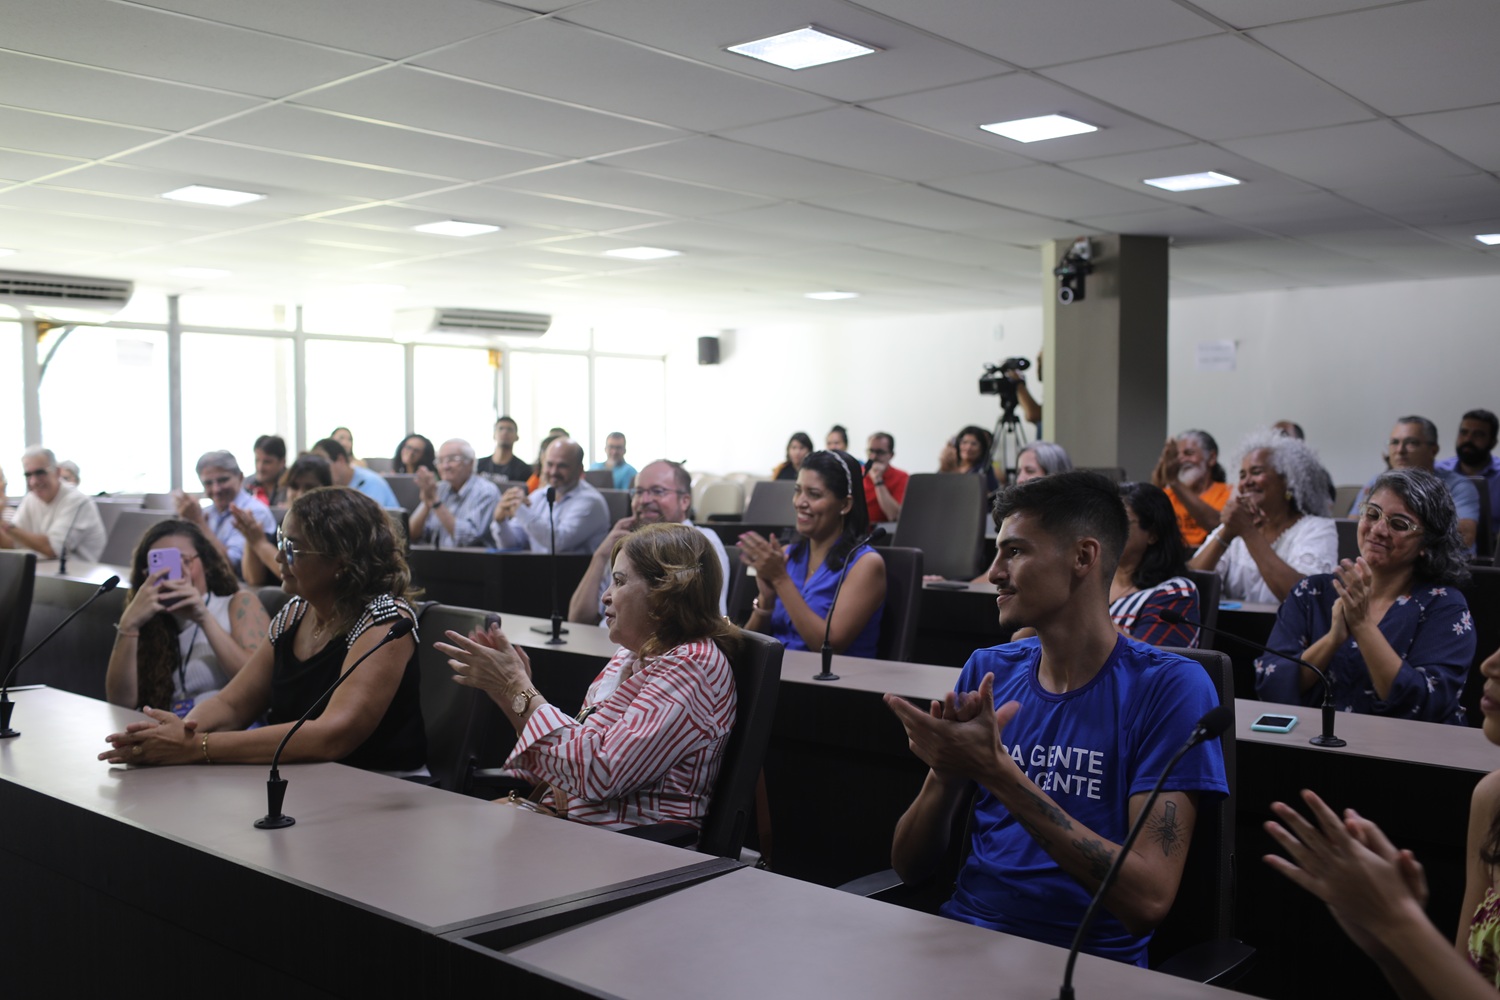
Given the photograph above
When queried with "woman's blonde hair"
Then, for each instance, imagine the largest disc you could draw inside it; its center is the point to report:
(684, 580)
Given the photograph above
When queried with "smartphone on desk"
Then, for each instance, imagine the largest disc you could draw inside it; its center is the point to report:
(165, 559)
(1274, 724)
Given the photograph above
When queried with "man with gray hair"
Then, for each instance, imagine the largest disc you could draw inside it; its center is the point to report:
(579, 512)
(54, 517)
(224, 484)
(456, 511)
(1414, 445)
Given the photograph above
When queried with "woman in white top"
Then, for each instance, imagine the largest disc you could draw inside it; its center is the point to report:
(181, 640)
(1274, 530)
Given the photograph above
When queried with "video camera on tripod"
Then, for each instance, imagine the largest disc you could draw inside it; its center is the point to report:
(994, 381)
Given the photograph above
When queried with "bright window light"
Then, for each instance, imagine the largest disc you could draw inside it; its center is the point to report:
(802, 48)
(1488, 239)
(1037, 129)
(201, 194)
(642, 253)
(1193, 182)
(199, 272)
(452, 227)
(6, 251)
(831, 296)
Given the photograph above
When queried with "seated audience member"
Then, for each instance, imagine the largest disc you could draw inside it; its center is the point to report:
(969, 452)
(343, 437)
(69, 473)
(1474, 454)
(1414, 445)
(837, 438)
(413, 453)
(270, 470)
(455, 511)
(648, 744)
(53, 517)
(1152, 575)
(663, 494)
(614, 461)
(1390, 629)
(223, 483)
(1064, 734)
(534, 481)
(579, 517)
(797, 584)
(1041, 458)
(885, 485)
(798, 447)
(1378, 894)
(504, 462)
(180, 640)
(258, 565)
(1189, 471)
(345, 473)
(1274, 529)
(349, 583)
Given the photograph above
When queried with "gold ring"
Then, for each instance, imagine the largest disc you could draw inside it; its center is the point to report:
(136, 750)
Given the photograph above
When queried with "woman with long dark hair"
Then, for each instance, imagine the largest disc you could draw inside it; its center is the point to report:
(969, 453)
(1151, 576)
(413, 453)
(796, 585)
(798, 447)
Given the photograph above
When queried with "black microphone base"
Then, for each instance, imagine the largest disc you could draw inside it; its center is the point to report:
(1328, 740)
(274, 819)
(547, 630)
(825, 676)
(6, 707)
(269, 822)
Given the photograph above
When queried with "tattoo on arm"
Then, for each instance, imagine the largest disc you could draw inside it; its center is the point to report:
(1166, 830)
(1097, 855)
(1050, 810)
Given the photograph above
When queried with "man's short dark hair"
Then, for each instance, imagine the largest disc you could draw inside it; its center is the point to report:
(331, 448)
(890, 441)
(1485, 417)
(273, 445)
(508, 420)
(1072, 505)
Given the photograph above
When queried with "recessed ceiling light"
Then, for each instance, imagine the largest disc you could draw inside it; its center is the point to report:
(1036, 129)
(452, 227)
(199, 272)
(802, 48)
(1488, 239)
(831, 296)
(201, 194)
(1193, 182)
(642, 253)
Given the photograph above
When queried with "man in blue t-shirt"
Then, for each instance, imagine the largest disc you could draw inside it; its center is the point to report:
(1065, 734)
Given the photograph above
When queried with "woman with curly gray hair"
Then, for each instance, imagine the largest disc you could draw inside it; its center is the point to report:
(1274, 530)
(1390, 629)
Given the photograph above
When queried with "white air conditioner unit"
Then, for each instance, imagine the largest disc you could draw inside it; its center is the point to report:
(480, 327)
(64, 297)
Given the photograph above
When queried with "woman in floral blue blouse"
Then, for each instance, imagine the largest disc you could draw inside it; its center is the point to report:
(1390, 628)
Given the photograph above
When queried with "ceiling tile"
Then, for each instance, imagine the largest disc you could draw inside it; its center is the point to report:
(741, 167)
(806, 222)
(1360, 154)
(1049, 191)
(50, 133)
(50, 85)
(1181, 223)
(147, 186)
(611, 185)
(915, 205)
(16, 166)
(720, 238)
(967, 250)
(1456, 200)
(487, 204)
(1254, 13)
(1473, 133)
(1130, 171)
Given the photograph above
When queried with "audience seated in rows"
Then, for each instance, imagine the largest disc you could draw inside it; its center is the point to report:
(1414, 445)
(798, 447)
(258, 566)
(223, 484)
(456, 510)
(578, 516)
(54, 517)
(885, 485)
(503, 461)
(1274, 529)
(1190, 472)
(614, 461)
(270, 469)
(537, 477)
(346, 473)
(413, 453)
(1151, 578)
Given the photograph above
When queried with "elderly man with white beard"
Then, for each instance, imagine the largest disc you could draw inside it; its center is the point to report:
(1189, 471)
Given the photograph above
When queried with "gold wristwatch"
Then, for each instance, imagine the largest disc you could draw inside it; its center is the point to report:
(521, 702)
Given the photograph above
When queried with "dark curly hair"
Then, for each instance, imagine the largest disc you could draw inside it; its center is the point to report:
(685, 579)
(345, 525)
(427, 459)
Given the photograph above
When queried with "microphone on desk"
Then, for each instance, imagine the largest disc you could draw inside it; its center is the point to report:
(62, 555)
(556, 628)
(6, 705)
(1213, 724)
(874, 534)
(275, 819)
(1323, 739)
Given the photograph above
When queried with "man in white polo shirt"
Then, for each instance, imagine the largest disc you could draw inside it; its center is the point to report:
(54, 517)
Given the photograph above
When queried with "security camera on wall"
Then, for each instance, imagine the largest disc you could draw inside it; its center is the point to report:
(1075, 266)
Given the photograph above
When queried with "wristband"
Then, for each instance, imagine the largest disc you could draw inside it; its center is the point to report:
(127, 635)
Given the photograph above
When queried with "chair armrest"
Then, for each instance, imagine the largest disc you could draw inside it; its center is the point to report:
(1218, 963)
(874, 885)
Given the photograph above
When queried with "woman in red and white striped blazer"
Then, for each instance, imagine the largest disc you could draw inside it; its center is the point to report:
(646, 747)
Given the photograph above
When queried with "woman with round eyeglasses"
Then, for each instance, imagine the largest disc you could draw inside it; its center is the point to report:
(349, 583)
(185, 632)
(1390, 628)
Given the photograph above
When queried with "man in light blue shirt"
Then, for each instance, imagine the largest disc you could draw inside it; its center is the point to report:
(1414, 445)
(580, 514)
(224, 484)
(346, 473)
(455, 512)
(614, 461)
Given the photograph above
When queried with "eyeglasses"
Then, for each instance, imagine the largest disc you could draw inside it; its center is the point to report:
(877, 452)
(451, 459)
(216, 482)
(1409, 444)
(1399, 523)
(37, 474)
(656, 492)
(291, 550)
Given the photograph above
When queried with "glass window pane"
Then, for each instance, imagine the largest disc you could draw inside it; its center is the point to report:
(630, 397)
(12, 409)
(234, 389)
(360, 386)
(104, 405)
(548, 390)
(456, 393)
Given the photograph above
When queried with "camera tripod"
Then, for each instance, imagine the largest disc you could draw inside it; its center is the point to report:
(1008, 437)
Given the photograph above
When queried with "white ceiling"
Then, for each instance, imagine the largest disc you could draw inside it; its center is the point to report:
(1366, 134)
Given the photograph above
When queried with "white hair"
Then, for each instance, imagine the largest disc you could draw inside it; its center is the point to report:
(1298, 465)
(37, 451)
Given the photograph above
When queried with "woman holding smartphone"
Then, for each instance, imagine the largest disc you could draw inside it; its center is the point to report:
(187, 627)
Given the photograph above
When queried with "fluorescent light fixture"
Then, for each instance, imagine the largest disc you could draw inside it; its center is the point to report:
(642, 253)
(1193, 182)
(1037, 129)
(201, 194)
(1488, 239)
(452, 227)
(802, 48)
(199, 272)
(832, 296)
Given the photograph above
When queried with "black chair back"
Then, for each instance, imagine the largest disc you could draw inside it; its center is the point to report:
(943, 516)
(404, 485)
(757, 677)
(130, 525)
(272, 598)
(771, 503)
(1209, 588)
(451, 713)
(17, 575)
(110, 510)
(77, 657)
(903, 603)
(1484, 537)
(600, 479)
(742, 591)
(1483, 594)
(1348, 537)
(618, 502)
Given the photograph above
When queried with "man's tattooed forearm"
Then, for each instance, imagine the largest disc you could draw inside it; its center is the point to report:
(1050, 811)
(1097, 855)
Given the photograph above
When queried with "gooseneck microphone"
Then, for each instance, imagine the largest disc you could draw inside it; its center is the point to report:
(1323, 739)
(275, 819)
(6, 705)
(62, 555)
(556, 630)
(1211, 726)
(874, 534)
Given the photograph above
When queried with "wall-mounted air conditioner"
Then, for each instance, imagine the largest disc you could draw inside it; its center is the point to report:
(64, 297)
(480, 327)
